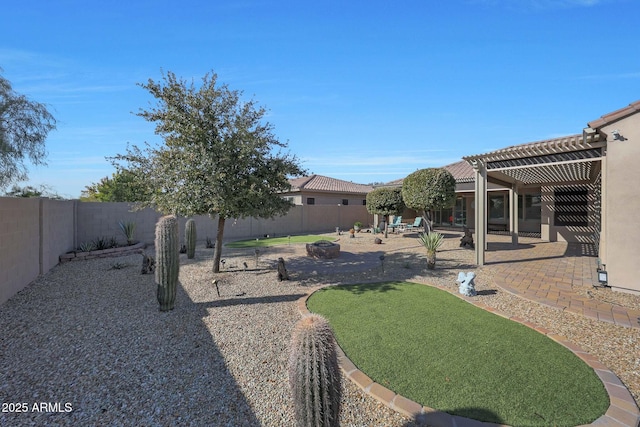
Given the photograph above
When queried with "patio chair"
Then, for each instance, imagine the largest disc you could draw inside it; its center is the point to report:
(416, 224)
(396, 223)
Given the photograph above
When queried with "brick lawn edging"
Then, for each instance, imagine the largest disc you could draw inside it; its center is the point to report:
(104, 253)
(622, 411)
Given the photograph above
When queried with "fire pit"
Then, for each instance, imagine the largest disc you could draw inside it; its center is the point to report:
(323, 249)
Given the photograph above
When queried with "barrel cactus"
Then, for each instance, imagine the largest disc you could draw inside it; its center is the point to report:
(314, 374)
(167, 261)
(190, 238)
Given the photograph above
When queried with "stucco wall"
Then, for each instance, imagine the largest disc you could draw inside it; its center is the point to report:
(334, 198)
(58, 224)
(621, 202)
(101, 219)
(35, 232)
(19, 228)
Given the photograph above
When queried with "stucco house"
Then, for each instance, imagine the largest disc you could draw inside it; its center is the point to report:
(586, 185)
(323, 190)
(580, 188)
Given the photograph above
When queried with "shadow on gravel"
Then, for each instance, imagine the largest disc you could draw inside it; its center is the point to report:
(102, 346)
(368, 266)
(252, 300)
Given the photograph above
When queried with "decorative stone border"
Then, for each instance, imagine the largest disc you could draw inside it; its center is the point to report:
(622, 411)
(104, 253)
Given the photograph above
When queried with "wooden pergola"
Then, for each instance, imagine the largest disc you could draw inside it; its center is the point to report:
(575, 158)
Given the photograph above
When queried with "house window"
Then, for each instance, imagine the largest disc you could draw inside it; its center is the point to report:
(311, 200)
(364, 202)
(345, 202)
(443, 216)
(571, 206)
(497, 208)
(460, 212)
(529, 206)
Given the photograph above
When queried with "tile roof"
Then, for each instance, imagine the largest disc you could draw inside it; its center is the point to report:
(394, 183)
(632, 108)
(327, 184)
(462, 171)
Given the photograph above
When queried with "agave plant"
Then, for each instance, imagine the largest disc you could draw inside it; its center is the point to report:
(431, 242)
(86, 247)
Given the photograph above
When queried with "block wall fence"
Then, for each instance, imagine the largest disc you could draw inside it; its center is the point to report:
(34, 232)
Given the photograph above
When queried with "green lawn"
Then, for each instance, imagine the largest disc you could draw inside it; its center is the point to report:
(445, 353)
(272, 241)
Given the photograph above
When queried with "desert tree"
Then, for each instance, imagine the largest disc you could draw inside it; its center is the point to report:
(219, 158)
(122, 186)
(428, 189)
(385, 201)
(27, 191)
(24, 126)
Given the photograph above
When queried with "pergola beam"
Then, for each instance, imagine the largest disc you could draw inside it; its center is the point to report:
(481, 210)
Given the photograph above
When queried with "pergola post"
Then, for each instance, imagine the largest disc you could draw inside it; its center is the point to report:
(481, 210)
(513, 214)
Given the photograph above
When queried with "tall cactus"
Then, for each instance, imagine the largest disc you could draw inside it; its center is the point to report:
(167, 261)
(314, 374)
(190, 238)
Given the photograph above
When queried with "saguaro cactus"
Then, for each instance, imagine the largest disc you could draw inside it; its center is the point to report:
(314, 374)
(190, 238)
(167, 261)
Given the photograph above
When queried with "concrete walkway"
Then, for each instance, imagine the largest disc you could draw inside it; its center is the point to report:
(557, 274)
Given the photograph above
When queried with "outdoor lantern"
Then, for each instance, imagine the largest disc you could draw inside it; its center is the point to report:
(602, 276)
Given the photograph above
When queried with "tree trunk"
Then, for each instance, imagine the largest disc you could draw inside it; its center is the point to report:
(426, 219)
(386, 226)
(431, 260)
(217, 251)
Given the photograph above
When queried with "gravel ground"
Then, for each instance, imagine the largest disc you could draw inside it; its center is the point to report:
(88, 342)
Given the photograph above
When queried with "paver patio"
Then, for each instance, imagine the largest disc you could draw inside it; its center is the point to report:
(551, 273)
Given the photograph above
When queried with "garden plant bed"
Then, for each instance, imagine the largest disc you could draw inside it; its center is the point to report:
(103, 253)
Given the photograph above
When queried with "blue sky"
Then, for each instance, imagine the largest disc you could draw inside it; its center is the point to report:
(361, 90)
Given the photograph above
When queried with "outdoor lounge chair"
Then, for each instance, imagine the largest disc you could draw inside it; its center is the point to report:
(396, 223)
(416, 224)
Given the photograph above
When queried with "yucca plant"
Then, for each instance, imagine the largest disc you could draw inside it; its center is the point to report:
(314, 373)
(431, 241)
(128, 228)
